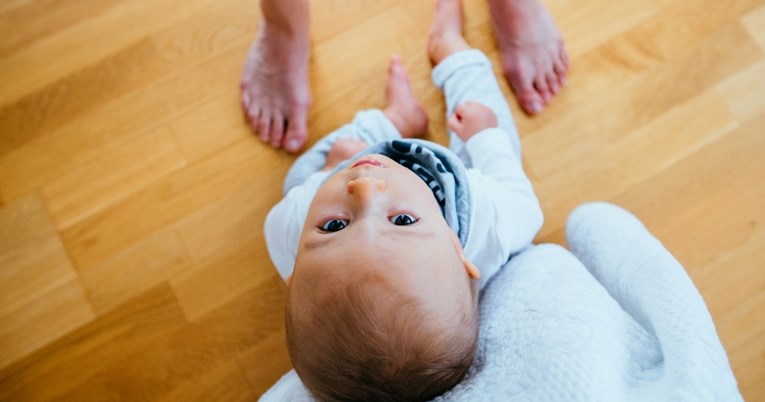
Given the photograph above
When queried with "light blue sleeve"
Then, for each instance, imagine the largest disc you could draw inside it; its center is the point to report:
(284, 223)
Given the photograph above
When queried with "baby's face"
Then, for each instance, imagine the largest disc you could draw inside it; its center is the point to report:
(377, 215)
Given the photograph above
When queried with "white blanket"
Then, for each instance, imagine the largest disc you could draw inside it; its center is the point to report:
(619, 320)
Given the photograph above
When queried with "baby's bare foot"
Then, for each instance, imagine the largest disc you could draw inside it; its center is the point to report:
(445, 35)
(275, 91)
(403, 109)
(534, 60)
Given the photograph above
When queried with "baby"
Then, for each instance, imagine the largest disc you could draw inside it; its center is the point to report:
(384, 240)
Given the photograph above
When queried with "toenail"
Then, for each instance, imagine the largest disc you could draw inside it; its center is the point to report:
(293, 144)
(536, 106)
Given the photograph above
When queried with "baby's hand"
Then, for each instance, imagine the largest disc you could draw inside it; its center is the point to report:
(343, 149)
(469, 118)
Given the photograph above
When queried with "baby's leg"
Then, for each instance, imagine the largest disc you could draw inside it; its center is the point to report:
(463, 73)
(403, 115)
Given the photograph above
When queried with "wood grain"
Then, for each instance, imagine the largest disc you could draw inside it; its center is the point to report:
(133, 193)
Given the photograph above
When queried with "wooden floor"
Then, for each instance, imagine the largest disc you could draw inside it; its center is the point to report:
(132, 194)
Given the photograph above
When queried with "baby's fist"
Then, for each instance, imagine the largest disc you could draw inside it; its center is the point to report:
(343, 149)
(471, 117)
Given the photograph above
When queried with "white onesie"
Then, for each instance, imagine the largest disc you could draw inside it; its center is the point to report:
(505, 214)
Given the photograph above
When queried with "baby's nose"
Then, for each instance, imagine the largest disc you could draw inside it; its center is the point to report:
(365, 188)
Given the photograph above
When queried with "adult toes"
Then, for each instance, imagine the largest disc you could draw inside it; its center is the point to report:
(245, 102)
(263, 125)
(540, 84)
(563, 57)
(265, 121)
(295, 137)
(253, 116)
(561, 73)
(277, 129)
(522, 84)
(560, 67)
(552, 82)
(530, 100)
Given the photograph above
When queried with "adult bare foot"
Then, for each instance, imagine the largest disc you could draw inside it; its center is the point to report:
(445, 35)
(275, 91)
(534, 60)
(403, 109)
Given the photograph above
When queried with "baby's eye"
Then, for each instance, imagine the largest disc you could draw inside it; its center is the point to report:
(334, 225)
(403, 219)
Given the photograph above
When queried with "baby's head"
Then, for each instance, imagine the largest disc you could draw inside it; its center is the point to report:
(381, 305)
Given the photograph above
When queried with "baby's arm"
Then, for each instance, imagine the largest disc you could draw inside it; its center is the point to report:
(506, 212)
(284, 223)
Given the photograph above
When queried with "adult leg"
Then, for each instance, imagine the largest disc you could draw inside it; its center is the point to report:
(275, 91)
(534, 60)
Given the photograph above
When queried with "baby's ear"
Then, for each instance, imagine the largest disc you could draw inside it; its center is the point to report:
(471, 269)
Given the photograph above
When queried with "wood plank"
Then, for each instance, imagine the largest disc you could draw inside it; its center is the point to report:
(360, 41)
(75, 95)
(31, 254)
(329, 19)
(111, 176)
(197, 40)
(648, 44)
(51, 155)
(589, 25)
(152, 260)
(744, 93)
(657, 89)
(11, 5)
(225, 383)
(101, 236)
(31, 68)
(232, 220)
(213, 29)
(653, 93)
(265, 363)
(687, 22)
(204, 345)
(755, 23)
(618, 162)
(32, 20)
(53, 313)
(198, 135)
(222, 278)
(80, 355)
(725, 194)
(40, 297)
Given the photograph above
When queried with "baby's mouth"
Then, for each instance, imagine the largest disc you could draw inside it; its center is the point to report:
(368, 162)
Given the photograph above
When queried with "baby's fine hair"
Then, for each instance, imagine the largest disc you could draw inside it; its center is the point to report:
(366, 341)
